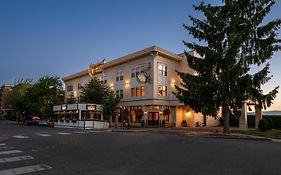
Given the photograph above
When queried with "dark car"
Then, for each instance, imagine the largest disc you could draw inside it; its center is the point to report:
(32, 120)
(43, 122)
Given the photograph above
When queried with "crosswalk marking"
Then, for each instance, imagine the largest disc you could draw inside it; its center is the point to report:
(14, 159)
(10, 152)
(2, 144)
(24, 170)
(44, 135)
(63, 133)
(21, 137)
(6, 147)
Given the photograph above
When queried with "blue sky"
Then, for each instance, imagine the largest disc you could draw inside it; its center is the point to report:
(61, 37)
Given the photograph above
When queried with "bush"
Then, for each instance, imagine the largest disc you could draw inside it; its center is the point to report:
(263, 125)
(270, 123)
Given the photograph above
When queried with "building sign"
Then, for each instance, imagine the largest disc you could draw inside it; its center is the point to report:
(91, 107)
(63, 107)
(95, 69)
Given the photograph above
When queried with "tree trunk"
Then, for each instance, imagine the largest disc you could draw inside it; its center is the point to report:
(116, 121)
(110, 120)
(225, 114)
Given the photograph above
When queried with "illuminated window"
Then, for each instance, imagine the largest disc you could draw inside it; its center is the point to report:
(162, 69)
(162, 90)
(133, 92)
(138, 91)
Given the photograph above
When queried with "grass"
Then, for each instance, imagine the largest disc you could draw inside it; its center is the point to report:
(274, 133)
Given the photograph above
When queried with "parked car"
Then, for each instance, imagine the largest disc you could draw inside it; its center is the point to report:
(43, 122)
(32, 120)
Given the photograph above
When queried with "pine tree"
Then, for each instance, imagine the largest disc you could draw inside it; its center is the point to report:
(232, 39)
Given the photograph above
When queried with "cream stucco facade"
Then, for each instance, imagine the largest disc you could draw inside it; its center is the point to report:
(145, 80)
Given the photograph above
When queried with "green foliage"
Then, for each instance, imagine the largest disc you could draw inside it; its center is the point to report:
(17, 95)
(71, 99)
(270, 123)
(263, 125)
(110, 105)
(95, 92)
(45, 93)
(37, 98)
(234, 38)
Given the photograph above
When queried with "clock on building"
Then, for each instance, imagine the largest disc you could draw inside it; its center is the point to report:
(141, 77)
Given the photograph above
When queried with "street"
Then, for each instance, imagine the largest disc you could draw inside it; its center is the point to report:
(43, 150)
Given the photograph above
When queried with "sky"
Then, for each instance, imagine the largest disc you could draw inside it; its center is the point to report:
(62, 37)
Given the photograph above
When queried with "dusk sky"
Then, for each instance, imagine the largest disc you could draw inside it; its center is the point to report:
(62, 37)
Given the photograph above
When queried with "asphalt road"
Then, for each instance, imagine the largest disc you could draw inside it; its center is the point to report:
(40, 150)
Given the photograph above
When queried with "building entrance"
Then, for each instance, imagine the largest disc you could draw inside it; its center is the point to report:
(153, 119)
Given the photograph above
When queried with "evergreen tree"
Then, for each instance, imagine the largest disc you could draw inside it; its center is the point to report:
(94, 92)
(232, 39)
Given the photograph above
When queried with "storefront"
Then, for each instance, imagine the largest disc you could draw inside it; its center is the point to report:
(84, 116)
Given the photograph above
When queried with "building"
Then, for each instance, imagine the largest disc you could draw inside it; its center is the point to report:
(4, 106)
(145, 81)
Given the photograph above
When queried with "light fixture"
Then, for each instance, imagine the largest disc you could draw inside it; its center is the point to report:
(127, 84)
(173, 82)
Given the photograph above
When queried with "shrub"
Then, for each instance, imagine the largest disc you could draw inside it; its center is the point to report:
(270, 123)
(263, 125)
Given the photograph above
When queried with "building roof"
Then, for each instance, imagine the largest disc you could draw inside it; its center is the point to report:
(147, 51)
(76, 75)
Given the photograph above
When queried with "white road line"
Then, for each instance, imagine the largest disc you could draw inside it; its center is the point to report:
(26, 169)
(2, 144)
(44, 135)
(14, 159)
(10, 152)
(7, 147)
(63, 133)
(21, 137)
(80, 132)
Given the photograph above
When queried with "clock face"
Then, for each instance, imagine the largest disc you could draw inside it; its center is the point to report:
(141, 77)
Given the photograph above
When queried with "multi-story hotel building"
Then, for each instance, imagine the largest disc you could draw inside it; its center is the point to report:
(145, 81)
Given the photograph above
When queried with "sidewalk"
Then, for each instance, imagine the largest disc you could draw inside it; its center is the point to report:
(206, 132)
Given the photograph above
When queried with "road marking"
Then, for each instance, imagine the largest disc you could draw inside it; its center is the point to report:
(10, 152)
(26, 169)
(6, 147)
(21, 137)
(14, 159)
(80, 132)
(44, 135)
(2, 144)
(63, 133)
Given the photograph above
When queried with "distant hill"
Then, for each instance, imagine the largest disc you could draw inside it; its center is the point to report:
(267, 113)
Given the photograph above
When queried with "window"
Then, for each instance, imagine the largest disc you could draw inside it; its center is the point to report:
(162, 90)
(136, 70)
(142, 91)
(133, 73)
(69, 88)
(162, 69)
(133, 92)
(119, 76)
(79, 86)
(138, 91)
(119, 93)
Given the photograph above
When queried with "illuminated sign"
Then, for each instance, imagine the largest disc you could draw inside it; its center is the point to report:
(95, 69)
(63, 107)
(91, 107)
